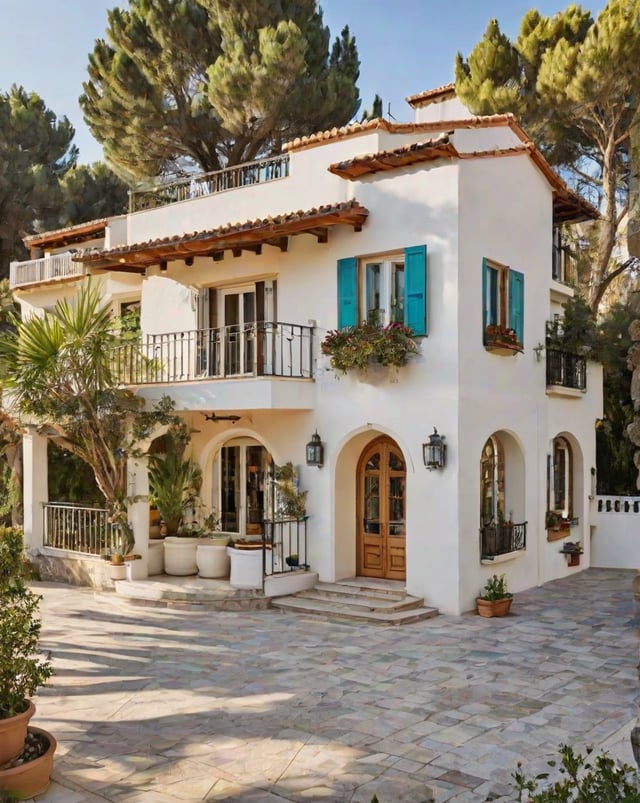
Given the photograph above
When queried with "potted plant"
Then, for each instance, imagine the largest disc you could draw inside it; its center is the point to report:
(292, 561)
(553, 520)
(494, 599)
(369, 344)
(212, 558)
(502, 340)
(573, 549)
(174, 484)
(22, 672)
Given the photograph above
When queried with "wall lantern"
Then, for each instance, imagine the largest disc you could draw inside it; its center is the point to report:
(315, 451)
(434, 452)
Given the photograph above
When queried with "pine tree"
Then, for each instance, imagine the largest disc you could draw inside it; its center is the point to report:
(89, 192)
(574, 83)
(214, 82)
(35, 150)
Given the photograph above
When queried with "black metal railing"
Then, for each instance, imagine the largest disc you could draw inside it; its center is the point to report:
(500, 539)
(79, 529)
(286, 546)
(257, 349)
(242, 175)
(566, 369)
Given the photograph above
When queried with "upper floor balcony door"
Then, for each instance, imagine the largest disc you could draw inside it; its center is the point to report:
(239, 319)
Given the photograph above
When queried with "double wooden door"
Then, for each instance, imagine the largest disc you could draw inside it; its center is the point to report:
(381, 510)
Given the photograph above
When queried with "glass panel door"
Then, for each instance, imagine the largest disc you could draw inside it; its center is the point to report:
(239, 317)
(243, 473)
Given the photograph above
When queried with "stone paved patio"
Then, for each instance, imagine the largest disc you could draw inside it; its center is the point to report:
(162, 705)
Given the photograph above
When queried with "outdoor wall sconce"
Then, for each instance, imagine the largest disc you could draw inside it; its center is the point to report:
(163, 265)
(314, 451)
(538, 351)
(434, 452)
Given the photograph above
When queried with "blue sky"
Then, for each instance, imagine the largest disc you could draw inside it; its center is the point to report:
(405, 46)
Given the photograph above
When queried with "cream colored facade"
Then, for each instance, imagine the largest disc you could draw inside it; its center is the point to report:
(489, 201)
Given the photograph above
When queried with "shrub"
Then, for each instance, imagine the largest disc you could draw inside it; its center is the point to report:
(21, 670)
(584, 780)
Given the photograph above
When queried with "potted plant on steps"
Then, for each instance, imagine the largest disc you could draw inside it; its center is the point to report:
(211, 552)
(494, 599)
(174, 483)
(22, 672)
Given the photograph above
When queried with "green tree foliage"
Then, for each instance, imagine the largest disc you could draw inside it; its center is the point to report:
(35, 151)
(61, 370)
(90, 192)
(574, 84)
(214, 82)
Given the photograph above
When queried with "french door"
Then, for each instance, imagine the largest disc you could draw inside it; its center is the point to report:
(243, 471)
(381, 505)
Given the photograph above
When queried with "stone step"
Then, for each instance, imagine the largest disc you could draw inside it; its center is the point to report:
(354, 588)
(333, 609)
(368, 602)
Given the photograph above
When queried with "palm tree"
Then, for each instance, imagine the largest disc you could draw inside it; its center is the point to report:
(59, 369)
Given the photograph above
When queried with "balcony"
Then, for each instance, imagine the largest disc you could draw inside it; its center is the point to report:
(566, 373)
(48, 269)
(229, 367)
(502, 539)
(247, 174)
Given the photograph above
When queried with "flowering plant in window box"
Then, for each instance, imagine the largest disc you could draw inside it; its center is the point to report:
(369, 344)
(501, 339)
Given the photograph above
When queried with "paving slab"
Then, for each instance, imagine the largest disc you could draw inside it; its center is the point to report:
(155, 704)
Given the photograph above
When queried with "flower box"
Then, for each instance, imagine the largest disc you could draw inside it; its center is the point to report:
(502, 340)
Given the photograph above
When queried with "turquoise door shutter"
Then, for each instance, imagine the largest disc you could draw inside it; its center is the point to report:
(347, 292)
(516, 303)
(415, 289)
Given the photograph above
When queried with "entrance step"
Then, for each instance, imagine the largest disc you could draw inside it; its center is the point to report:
(357, 602)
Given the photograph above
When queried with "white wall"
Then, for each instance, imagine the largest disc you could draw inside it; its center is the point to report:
(615, 535)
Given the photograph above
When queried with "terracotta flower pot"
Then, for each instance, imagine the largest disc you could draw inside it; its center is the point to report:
(32, 777)
(13, 732)
(497, 607)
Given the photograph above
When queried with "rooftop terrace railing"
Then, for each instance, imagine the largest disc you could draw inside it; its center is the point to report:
(247, 174)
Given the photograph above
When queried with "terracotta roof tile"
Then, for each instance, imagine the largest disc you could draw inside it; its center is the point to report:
(429, 95)
(77, 230)
(404, 156)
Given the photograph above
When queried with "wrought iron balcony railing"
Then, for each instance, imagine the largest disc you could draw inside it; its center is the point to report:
(566, 369)
(79, 529)
(257, 349)
(500, 539)
(242, 175)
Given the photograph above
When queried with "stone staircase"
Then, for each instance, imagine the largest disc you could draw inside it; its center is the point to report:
(358, 600)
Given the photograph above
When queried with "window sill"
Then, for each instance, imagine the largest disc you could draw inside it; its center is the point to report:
(560, 390)
(502, 558)
(504, 349)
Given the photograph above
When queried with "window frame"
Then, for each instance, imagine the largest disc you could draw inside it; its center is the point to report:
(387, 265)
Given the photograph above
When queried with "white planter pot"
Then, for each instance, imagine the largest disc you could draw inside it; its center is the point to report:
(180, 555)
(212, 558)
(246, 568)
(135, 570)
(156, 558)
(118, 571)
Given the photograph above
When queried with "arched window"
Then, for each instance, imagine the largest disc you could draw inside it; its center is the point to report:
(492, 482)
(561, 482)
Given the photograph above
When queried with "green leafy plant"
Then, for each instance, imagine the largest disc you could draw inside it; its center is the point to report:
(369, 344)
(174, 482)
(22, 671)
(576, 332)
(495, 588)
(553, 519)
(290, 502)
(583, 780)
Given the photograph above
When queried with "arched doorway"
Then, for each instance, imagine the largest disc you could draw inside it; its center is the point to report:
(381, 511)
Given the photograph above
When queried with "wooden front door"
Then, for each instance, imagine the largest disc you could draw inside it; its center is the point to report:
(381, 511)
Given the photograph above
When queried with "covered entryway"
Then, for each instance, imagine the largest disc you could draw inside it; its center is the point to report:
(381, 511)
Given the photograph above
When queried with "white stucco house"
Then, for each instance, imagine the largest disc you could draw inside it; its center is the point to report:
(448, 224)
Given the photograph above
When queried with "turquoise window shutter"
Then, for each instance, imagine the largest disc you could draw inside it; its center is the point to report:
(415, 289)
(516, 303)
(347, 292)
